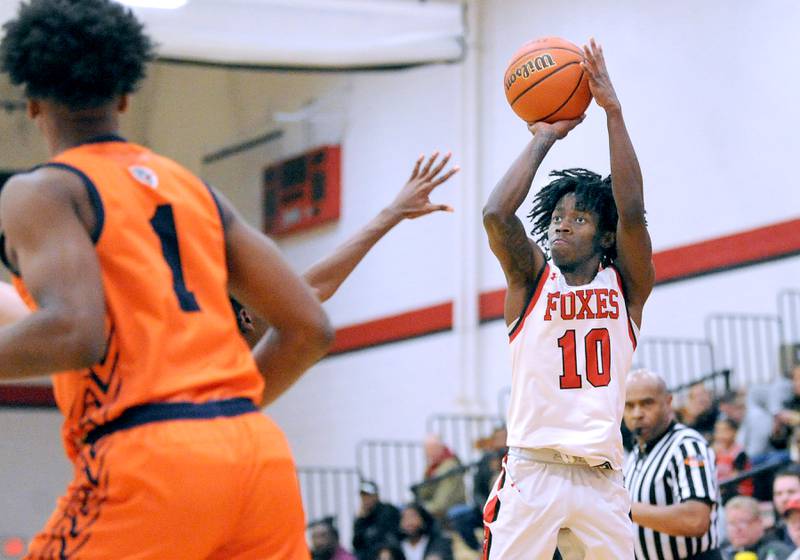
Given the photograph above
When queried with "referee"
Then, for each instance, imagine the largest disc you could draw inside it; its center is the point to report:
(670, 476)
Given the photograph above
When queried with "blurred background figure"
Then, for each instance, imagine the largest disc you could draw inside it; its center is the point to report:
(785, 489)
(387, 552)
(731, 458)
(787, 420)
(440, 496)
(791, 518)
(467, 519)
(746, 532)
(325, 541)
(377, 522)
(421, 537)
(699, 412)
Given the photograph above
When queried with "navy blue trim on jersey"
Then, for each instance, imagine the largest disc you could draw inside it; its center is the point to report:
(4, 257)
(534, 289)
(217, 204)
(104, 138)
(161, 412)
(91, 190)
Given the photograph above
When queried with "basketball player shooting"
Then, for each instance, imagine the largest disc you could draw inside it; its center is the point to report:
(573, 311)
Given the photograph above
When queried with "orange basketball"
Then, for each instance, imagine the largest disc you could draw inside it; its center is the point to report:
(545, 82)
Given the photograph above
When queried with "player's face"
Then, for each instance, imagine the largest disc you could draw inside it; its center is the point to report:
(784, 489)
(647, 409)
(572, 234)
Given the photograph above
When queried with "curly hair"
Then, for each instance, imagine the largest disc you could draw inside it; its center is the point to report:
(78, 53)
(592, 194)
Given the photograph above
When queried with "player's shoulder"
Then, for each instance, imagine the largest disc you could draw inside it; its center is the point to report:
(29, 195)
(42, 185)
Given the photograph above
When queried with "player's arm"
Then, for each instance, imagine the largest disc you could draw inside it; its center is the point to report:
(12, 308)
(685, 519)
(48, 241)
(413, 201)
(634, 250)
(260, 278)
(519, 256)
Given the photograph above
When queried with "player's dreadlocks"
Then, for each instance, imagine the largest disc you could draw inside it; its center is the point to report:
(79, 53)
(592, 194)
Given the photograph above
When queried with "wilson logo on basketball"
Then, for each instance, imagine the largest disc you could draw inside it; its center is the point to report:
(529, 68)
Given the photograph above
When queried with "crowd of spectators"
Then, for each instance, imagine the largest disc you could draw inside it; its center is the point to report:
(746, 428)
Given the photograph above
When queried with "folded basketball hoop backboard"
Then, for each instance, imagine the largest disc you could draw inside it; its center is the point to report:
(303, 34)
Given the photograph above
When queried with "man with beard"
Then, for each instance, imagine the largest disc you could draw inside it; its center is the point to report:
(420, 536)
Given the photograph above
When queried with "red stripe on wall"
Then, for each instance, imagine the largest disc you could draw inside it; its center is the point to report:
(427, 320)
(723, 253)
(740, 249)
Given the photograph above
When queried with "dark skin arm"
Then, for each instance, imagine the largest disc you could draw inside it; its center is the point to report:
(634, 250)
(260, 278)
(413, 201)
(686, 519)
(12, 308)
(46, 217)
(519, 256)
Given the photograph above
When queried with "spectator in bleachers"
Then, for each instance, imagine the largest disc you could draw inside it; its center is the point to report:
(465, 519)
(377, 522)
(791, 517)
(447, 492)
(731, 458)
(388, 552)
(493, 447)
(785, 489)
(787, 420)
(699, 412)
(325, 541)
(746, 532)
(755, 423)
(420, 535)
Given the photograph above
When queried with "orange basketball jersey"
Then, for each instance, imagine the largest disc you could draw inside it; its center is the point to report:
(171, 334)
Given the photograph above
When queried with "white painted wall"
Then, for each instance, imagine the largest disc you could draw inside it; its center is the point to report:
(709, 97)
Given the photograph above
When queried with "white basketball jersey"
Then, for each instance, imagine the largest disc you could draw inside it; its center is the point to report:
(571, 351)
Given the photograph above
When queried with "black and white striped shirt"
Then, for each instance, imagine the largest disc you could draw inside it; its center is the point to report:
(676, 467)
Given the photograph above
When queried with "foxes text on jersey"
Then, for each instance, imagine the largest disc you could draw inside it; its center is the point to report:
(570, 352)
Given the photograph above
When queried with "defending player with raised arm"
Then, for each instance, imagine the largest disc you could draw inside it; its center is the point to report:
(573, 307)
(327, 276)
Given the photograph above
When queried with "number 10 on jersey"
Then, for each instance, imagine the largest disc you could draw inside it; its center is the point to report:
(597, 348)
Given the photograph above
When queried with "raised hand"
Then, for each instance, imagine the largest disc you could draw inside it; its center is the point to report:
(557, 129)
(594, 65)
(413, 200)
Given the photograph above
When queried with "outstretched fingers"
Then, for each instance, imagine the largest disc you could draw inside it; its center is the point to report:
(427, 168)
(415, 172)
(439, 180)
(438, 168)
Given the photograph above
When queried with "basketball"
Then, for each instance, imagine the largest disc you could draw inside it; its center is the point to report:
(545, 82)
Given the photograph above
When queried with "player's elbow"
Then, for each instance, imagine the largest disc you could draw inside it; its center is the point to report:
(494, 217)
(80, 338)
(317, 335)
